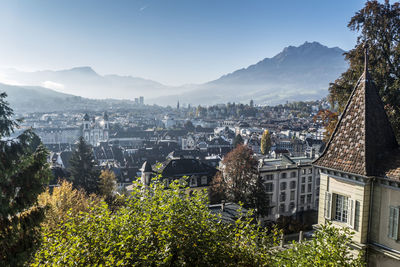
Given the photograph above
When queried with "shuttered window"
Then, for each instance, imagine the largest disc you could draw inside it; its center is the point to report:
(328, 205)
(352, 211)
(394, 223)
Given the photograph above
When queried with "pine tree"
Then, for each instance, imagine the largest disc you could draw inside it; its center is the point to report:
(265, 142)
(82, 170)
(23, 174)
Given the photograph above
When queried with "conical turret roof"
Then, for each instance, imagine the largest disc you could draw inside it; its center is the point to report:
(363, 134)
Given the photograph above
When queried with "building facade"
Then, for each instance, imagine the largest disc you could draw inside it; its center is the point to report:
(94, 131)
(360, 176)
(292, 185)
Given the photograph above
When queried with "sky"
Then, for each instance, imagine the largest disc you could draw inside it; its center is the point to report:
(174, 42)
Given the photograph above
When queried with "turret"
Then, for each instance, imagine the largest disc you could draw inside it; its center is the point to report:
(146, 173)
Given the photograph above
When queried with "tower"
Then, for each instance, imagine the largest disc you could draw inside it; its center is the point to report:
(360, 176)
(106, 126)
(146, 173)
(86, 128)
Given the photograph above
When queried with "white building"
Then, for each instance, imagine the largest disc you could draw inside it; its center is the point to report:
(94, 131)
(292, 185)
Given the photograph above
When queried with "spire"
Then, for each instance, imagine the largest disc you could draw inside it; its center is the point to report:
(86, 117)
(363, 134)
(365, 59)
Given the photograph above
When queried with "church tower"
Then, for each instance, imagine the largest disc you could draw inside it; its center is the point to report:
(86, 128)
(106, 126)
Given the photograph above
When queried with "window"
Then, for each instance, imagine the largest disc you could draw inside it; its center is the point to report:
(282, 196)
(303, 188)
(292, 184)
(303, 171)
(341, 208)
(310, 170)
(309, 179)
(291, 206)
(292, 194)
(283, 175)
(193, 181)
(303, 179)
(309, 187)
(293, 174)
(204, 180)
(393, 223)
(302, 199)
(309, 198)
(283, 186)
(269, 199)
(269, 187)
(317, 181)
(269, 177)
(282, 208)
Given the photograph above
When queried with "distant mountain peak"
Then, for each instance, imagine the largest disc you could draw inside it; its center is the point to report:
(83, 70)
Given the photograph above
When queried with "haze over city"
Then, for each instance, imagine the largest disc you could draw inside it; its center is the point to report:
(200, 133)
(171, 42)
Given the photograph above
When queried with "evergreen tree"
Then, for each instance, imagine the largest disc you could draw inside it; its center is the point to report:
(265, 142)
(378, 27)
(23, 174)
(83, 173)
(238, 140)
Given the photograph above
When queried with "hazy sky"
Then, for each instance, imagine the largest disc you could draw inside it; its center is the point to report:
(173, 42)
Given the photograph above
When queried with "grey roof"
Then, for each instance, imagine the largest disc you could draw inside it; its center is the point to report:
(146, 167)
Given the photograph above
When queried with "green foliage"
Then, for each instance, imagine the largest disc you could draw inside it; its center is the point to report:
(265, 142)
(331, 246)
(23, 174)
(83, 173)
(62, 202)
(378, 27)
(156, 227)
(107, 185)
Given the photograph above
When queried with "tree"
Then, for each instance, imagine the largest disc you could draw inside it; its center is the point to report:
(238, 140)
(330, 246)
(156, 227)
(159, 227)
(107, 185)
(63, 202)
(189, 126)
(239, 180)
(83, 173)
(328, 119)
(378, 28)
(23, 173)
(265, 142)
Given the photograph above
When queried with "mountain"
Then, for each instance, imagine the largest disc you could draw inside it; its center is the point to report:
(85, 82)
(296, 73)
(39, 99)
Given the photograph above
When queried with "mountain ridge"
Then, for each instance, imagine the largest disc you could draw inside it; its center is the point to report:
(296, 73)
